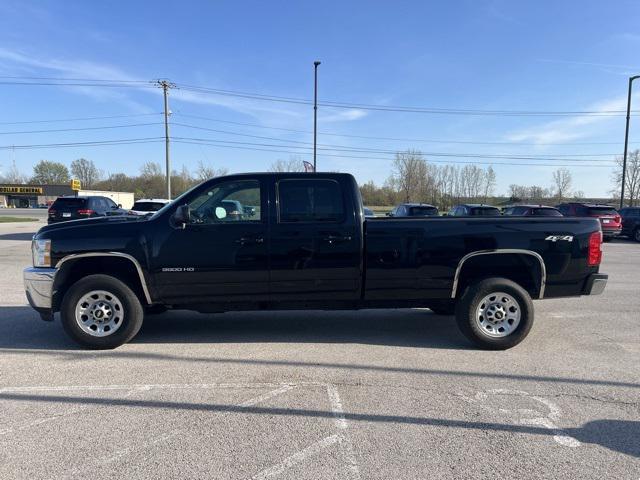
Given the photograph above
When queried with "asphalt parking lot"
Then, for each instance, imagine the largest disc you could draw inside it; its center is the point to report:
(324, 395)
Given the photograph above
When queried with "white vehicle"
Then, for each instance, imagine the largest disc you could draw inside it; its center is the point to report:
(146, 206)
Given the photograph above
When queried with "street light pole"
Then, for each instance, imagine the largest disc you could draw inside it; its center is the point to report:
(315, 111)
(626, 140)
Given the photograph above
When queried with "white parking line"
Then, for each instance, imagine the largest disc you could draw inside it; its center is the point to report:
(341, 423)
(298, 457)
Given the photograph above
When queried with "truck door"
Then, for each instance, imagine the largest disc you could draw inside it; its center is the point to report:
(315, 242)
(221, 255)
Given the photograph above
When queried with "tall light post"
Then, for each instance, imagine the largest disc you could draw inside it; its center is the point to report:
(626, 140)
(315, 110)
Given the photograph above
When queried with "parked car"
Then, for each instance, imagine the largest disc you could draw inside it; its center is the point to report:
(145, 206)
(76, 208)
(368, 213)
(414, 210)
(532, 211)
(610, 219)
(307, 247)
(631, 222)
(474, 209)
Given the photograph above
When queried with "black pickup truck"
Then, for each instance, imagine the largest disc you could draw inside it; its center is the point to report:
(301, 241)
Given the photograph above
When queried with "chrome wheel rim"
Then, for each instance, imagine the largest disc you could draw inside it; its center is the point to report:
(498, 314)
(99, 313)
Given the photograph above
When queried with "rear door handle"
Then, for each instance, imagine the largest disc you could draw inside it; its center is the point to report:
(249, 240)
(337, 238)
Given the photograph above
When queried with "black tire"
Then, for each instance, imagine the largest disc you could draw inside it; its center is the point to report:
(636, 234)
(443, 307)
(467, 309)
(126, 303)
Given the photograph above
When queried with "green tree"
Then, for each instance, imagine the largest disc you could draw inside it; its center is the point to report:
(50, 173)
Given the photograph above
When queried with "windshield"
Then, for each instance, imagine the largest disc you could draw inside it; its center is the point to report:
(602, 211)
(422, 211)
(547, 212)
(147, 206)
(485, 211)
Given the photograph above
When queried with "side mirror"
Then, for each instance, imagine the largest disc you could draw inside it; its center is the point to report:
(119, 205)
(182, 215)
(445, 214)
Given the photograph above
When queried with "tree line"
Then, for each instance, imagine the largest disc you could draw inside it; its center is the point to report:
(412, 178)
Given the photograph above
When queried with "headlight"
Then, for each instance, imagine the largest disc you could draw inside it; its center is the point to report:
(41, 253)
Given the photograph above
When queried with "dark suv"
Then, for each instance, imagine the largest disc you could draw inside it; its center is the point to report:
(414, 210)
(76, 208)
(532, 211)
(631, 222)
(610, 219)
(474, 209)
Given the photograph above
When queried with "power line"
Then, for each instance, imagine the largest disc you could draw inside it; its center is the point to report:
(59, 81)
(106, 127)
(122, 141)
(79, 119)
(213, 144)
(397, 150)
(398, 139)
(390, 152)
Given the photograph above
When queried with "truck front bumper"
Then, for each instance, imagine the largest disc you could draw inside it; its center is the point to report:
(595, 284)
(38, 285)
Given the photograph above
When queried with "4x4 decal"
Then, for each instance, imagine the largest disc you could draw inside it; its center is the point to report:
(560, 238)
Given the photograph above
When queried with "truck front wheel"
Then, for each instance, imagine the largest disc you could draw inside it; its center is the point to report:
(495, 313)
(101, 312)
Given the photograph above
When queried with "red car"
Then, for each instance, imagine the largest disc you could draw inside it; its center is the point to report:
(610, 219)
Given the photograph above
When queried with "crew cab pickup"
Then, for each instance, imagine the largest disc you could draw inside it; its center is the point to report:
(301, 241)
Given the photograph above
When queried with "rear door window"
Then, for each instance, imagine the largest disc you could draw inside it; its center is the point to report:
(486, 212)
(310, 201)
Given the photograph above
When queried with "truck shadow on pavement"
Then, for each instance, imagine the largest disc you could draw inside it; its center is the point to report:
(27, 236)
(21, 328)
(616, 435)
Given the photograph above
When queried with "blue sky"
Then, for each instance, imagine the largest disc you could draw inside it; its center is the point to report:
(480, 55)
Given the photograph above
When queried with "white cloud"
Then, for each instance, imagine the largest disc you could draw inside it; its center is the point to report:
(571, 128)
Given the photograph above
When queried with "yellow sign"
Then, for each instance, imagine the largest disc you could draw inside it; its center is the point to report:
(75, 185)
(24, 190)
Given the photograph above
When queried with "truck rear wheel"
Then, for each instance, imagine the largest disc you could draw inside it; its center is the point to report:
(495, 313)
(101, 312)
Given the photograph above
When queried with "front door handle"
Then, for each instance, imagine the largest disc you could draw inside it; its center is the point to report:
(337, 238)
(249, 240)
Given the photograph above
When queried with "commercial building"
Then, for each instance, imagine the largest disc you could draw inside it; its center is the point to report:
(32, 196)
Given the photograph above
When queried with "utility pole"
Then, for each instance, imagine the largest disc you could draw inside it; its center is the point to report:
(166, 85)
(626, 141)
(315, 111)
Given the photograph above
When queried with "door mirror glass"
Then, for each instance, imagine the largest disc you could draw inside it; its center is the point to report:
(221, 213)
(182, 215)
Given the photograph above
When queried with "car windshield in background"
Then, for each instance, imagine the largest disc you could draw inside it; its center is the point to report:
(547, 212)
(602, 211)
(147, 206)
(422, 211)
(70, 202)
(485, 211)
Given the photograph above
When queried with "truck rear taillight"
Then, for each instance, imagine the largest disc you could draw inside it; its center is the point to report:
(85, 212)
(617, 219)
(595, 251)
(52, 212)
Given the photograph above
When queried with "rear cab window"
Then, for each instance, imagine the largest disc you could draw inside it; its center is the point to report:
(310, 200)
